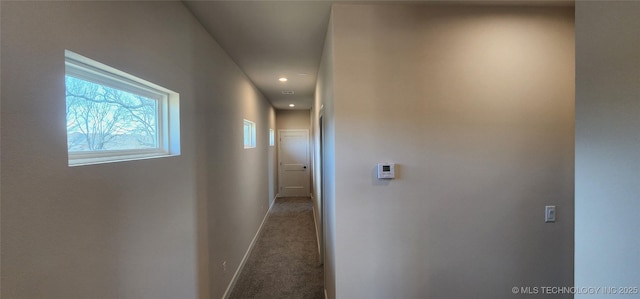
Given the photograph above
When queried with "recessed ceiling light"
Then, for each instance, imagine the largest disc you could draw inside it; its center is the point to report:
(292, 105)
(283, 79)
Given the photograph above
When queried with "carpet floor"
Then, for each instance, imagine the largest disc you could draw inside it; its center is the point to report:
(284, 262)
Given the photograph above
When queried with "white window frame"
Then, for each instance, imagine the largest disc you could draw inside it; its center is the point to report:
(272, 138)
(168, 118)
(251, 141)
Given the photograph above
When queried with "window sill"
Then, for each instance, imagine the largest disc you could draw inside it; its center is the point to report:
(113, 159)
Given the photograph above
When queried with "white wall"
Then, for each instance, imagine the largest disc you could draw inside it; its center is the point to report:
(323, 184)
(607, 142)
(476, 107)
(157, 228)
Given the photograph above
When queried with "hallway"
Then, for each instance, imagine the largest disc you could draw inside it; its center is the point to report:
(141, 148)
(284, 262)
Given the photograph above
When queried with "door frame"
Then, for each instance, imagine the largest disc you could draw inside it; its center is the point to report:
(321, 186)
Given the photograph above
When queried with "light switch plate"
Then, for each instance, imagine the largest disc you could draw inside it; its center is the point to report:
(550, 214)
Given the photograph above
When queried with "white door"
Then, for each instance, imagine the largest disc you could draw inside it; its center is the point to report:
(293, 158)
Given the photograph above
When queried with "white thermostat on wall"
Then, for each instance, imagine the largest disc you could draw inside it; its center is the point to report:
(386, 170)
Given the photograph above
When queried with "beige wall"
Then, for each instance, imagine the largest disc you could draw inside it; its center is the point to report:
(273, 157)
(476, 107)
(607, 143)
(292, 119)
(157, 228)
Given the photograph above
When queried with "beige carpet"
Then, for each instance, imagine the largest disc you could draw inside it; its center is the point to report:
(284, 261)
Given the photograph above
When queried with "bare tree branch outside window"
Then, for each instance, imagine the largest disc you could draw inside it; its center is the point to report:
(104, 118)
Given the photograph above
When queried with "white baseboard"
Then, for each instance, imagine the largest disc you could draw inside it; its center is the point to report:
(236, 275)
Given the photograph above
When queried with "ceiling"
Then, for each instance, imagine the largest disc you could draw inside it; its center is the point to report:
(269, 40)
(273, 39)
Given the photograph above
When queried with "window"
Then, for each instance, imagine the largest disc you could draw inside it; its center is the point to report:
(249, 134)
(272, 138)
(113, 116)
